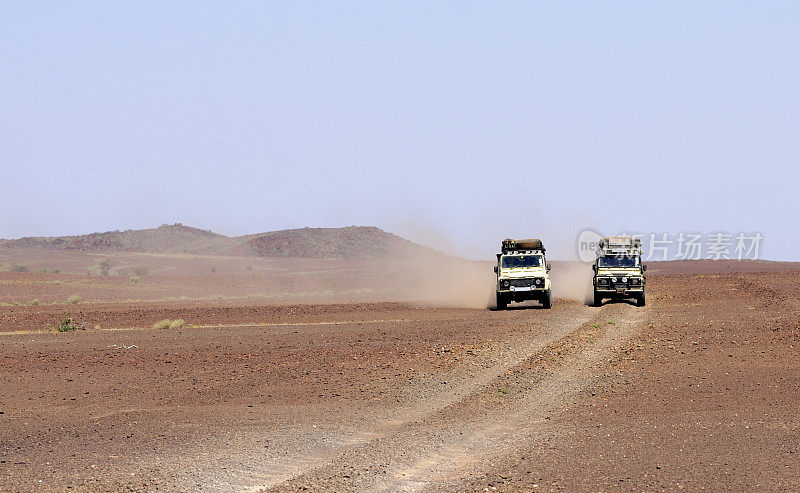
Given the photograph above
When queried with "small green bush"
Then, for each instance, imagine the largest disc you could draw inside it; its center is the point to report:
(134, 279)
(33, 302)
(140, 271)
(18, 268)
(169, 324)
(57, 283)
(68, 324)
(105, 267)
(74, 299)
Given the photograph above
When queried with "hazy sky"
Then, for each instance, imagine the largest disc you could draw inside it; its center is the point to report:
(459, 123)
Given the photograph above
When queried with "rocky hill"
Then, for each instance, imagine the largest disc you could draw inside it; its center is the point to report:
(348, 242)
(175, 238)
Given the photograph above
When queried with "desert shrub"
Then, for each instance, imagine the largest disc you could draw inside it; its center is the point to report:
(74, 299)
(57, 283)
(249, 267)
(105, 267)
(68, 324)
(213, 269)
(56, 271)
(18, 268)
(169, 324)
(134, 279)
(141, 271)
(33, 302)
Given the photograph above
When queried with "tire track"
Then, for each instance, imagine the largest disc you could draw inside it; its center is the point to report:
(308, 450)
(451, 441)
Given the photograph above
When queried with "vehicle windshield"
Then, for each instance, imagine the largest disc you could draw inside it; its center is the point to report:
(618, 261)
(519, 261)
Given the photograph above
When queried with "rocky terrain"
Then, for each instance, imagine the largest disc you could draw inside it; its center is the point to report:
(312, 374)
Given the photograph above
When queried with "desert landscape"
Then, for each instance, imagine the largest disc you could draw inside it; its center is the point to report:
(351, 359)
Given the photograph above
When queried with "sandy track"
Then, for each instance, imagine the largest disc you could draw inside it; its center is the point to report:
(301, 451)
(430, 398)
(470, 427)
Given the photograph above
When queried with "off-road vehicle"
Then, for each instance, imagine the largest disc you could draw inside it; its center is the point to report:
(522, 273)
(618, 270)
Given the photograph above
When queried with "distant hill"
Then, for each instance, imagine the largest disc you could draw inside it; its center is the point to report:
(175, 238)
(348, 242)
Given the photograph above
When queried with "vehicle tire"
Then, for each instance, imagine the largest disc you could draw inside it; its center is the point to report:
(598, 299)
(502, 302)
(640, 300)
(547, 301)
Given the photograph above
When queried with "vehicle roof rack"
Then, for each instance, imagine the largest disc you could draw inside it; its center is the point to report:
(620, 245)
(511, 245)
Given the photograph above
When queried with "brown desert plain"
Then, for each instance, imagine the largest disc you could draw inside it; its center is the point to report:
(382, 369)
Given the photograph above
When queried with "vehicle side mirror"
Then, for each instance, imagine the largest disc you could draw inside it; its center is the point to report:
(594, 268)
(548, 266)
(495, 269)
(644, 267)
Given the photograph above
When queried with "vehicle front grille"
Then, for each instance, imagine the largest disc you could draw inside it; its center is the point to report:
(523, 283)
(612, 283)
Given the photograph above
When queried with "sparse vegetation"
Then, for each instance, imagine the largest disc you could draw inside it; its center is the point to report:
(57, 283)
(74, 299)
(140, 271)
(596, 326)
(249, 267)
(169, 324)
(213, 269)
(105, 267)
(33, 302)
(18, 268)
(611, 322)
(134, 279)
(505, 390)
(68, 324)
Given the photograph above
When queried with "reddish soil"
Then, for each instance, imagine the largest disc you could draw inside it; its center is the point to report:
(697, 390)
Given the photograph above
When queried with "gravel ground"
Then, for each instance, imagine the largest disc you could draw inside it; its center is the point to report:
(697, 390)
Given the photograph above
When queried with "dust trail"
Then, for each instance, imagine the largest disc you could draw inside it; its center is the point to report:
(572, 280)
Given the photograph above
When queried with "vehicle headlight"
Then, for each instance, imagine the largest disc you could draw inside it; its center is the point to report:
(505, 283)
(538, 281)
(636, 280)
(613, 279)
(624, 279)
(602, 280)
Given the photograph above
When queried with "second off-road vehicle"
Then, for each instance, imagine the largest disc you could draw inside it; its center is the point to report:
(522, 273)
(618, 270)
